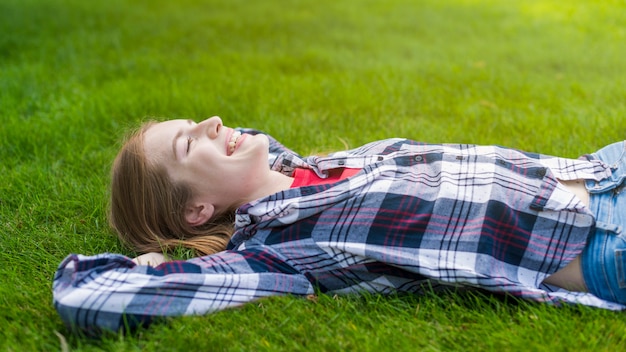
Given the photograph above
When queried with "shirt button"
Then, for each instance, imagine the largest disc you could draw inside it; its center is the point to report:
(418, 158)
(380, 158)
(541, 172)
(341, 162)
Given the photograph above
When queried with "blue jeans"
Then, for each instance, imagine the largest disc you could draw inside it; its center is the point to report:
(603, 260)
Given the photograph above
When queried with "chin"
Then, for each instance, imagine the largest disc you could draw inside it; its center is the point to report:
(259, 143)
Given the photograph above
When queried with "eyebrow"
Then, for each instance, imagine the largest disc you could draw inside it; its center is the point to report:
(178, 134)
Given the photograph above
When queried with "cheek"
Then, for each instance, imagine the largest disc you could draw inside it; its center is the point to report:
(198, 171)
(205, 160)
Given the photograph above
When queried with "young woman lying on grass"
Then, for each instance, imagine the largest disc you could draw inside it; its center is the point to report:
(391, 216)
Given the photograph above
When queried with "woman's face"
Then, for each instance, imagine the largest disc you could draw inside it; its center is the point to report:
(220, 165)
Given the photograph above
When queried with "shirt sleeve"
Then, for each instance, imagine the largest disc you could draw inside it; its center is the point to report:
(110, 292)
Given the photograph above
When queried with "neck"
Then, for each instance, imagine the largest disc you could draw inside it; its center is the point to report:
(276, 182)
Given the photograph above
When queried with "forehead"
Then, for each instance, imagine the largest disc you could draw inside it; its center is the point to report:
(166, 127)
(158, 138)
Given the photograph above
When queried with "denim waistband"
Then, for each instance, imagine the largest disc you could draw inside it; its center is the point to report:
(603, 260)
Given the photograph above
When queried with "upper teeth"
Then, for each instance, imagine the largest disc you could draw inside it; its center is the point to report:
(233, 141)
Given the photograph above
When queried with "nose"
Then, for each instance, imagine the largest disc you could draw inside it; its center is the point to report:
(211, 126)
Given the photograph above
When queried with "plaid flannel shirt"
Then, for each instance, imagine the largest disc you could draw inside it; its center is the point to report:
(417, 215)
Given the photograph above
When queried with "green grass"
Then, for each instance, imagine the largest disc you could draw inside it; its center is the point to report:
(543, 76)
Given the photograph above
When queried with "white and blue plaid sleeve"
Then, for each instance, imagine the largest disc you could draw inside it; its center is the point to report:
(109, 291)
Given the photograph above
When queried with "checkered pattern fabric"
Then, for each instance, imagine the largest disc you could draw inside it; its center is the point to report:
(416, 216)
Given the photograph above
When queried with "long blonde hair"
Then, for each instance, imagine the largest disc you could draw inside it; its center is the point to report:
(147, 208)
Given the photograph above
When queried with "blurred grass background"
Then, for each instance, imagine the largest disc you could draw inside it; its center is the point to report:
(546, 76)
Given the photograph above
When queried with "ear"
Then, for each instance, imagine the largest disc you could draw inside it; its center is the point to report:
(198, 213)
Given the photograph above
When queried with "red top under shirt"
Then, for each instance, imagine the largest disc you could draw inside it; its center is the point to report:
(308, 177)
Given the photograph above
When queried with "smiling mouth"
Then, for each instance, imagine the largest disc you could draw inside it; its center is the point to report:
(233, 141)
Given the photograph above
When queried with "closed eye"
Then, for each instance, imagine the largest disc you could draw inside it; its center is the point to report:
(189, 140)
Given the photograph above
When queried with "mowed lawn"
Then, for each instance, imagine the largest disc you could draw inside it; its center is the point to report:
(75, 75)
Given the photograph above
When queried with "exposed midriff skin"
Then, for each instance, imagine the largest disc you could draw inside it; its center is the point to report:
(571, 276)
